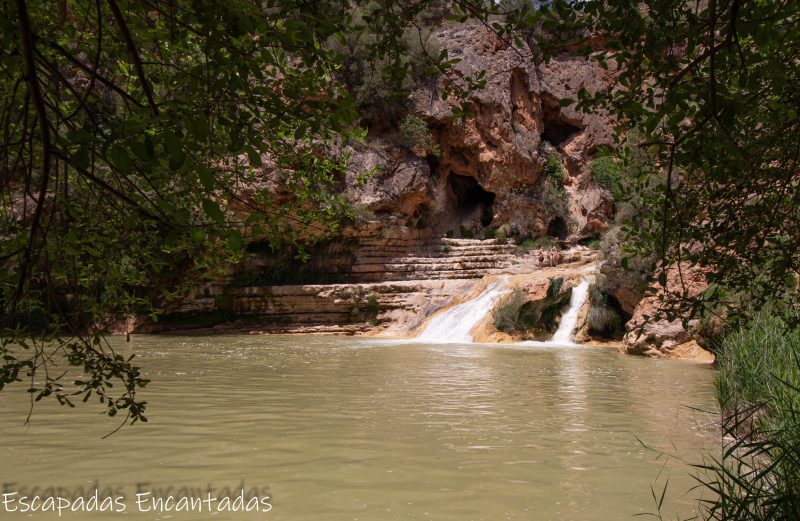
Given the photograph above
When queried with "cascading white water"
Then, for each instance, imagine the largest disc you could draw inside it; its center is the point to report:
(563, 334)
(454, 325)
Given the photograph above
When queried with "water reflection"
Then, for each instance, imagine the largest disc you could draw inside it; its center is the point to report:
(342, 428)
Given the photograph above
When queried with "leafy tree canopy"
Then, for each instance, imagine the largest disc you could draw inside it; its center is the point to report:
(145, 142)
(712, 90)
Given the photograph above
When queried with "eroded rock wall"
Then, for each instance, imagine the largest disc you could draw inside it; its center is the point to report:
(489, 171)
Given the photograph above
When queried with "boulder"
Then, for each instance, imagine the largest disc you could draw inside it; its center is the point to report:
(650, 333)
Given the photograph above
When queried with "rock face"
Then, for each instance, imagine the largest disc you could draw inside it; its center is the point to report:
(386, 306)
(415, 247)
(395, 278)
(649, 335)
(489, 171)
(378, 254)
(390, 308)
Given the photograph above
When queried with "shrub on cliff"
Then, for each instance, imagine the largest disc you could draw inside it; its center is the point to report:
(619, 269)
(554, 303)
(416, 135)
(607, 173)
(512, 315)
(554, 170)
(380, 86)
(518, 315)
(550, 194)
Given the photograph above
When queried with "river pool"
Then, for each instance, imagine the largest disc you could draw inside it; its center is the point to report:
(342, 428)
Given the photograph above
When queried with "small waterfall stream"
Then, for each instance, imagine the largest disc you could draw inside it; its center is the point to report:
(566, 326)
(455, 324)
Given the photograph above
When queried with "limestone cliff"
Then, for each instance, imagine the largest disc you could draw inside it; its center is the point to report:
(489, 172)
(414, 247)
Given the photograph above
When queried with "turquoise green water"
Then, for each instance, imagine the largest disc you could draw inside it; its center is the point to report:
(337, 428)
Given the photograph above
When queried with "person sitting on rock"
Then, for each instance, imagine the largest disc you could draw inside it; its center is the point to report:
(541, 257)
(554, 256)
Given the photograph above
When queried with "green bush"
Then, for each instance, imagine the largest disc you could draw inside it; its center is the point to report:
(517, 314)
(379, 88)
(554, 171)
(607, 173)
(554, 288)
(553, 200)
(31, 315)
(511, 316)
(529, 244)
(416, 134)
(365, 308)
(554, 304)
(618, 270)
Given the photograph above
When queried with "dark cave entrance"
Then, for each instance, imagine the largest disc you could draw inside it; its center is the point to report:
(610, 329)
(433, 165)
(558, 228)
(469, 196)
(558, 130)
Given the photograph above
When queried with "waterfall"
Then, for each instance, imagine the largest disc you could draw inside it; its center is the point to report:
(454, 324)
(563, 334)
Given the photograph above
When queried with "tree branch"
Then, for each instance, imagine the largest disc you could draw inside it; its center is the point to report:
(32, 80)
(137, 60)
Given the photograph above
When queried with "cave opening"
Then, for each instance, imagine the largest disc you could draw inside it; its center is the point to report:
(433, 165)
(470, 195)
(612, 327)
(558, 228)
(558, 130)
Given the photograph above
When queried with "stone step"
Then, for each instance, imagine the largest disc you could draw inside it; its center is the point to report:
(455, 243)
(424, 275)
(437, 253)
(434, 260)
(430, 267)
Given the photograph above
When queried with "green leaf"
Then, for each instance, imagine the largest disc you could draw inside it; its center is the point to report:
(176, 160)
(235, 239)
(253, 156)
(213, 211)
(120, 159)
(199, 127)
(81, 158)
(172, 143)
(206, 177)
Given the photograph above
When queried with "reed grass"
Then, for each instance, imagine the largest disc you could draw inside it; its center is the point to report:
(757, 475)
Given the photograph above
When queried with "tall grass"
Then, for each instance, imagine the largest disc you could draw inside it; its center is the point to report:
(757, 476)
(760, 365)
